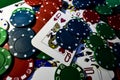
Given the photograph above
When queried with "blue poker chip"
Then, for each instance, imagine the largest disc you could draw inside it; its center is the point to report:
(22, 47)
(22, 18)
(98, 2)
(79, 52)
(116, 49)
(66, 40)
(42, 63)
(81, 4)
(65, 5)
(79, 28)
(36, 8)
(15, 33)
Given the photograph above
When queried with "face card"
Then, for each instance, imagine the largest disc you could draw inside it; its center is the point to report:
(46, 42)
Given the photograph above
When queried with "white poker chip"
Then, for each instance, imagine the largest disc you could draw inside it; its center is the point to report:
(4, 24)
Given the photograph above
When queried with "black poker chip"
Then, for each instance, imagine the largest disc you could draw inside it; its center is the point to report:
(66, 40)
(79, 28)
(20, 42)
(81, 4)
(22, 47)
(15, 33)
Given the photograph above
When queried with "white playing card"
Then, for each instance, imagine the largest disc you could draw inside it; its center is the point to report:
(44, 73)
(90, 70)
(46, 37)
(93, 69)
(106, 74)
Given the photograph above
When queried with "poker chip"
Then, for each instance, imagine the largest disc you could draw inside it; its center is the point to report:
(66, 40)
(105, 57)
(91, 16)
(113, 3)
(46, 9)
(81, 4)
(25, 48)
(116, 10)
(4, 24)
(43, 16)
(65, 5)
(44, 56)
(117, 73)
(21, 69)
(3, 36)
(42, 63)
(94, 41)
(76, 38)
(114, 21)
(117, 32)
(98, 2)
(34, 2)
(16, 33)
(22, 18)
(104, 9)
(38, 25)
(5, 60)
(58, 2)
(72, 72)
(23, 8)
(50, 6)
(36, 8)
(78, 28)
(105, 30)
(116, 49)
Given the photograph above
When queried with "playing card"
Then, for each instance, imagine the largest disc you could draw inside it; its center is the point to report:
(92, 69)
(45, 39)
(44, 73)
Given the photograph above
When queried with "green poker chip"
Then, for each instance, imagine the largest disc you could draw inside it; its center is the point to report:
(105, 30)
(105, 57)
(3, 36)
(22, 9)
(94, 41)
(104, 9)
(43, 56)
(113, 3)
(72, 72)
(5, 60)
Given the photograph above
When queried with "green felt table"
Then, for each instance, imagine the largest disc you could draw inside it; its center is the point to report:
(4, 3)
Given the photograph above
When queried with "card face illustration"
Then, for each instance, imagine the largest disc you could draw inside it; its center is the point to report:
(45, 40)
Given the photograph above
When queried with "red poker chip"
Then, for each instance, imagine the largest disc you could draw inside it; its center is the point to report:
(43, 16)
(58, 2)
(50, 6)
(117, 73)
(91, 16)
(6, 46)
(34, 2)
(21, 69)
(47, 10)
(39, 24)
(114, 21)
